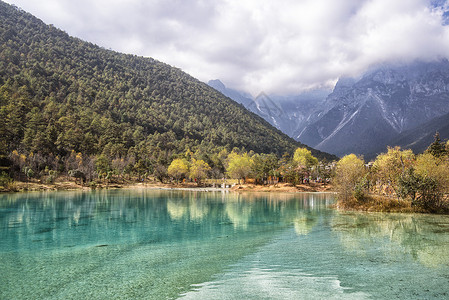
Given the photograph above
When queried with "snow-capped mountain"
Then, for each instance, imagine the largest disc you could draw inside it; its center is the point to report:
(389, 105)
(362, 115)
(287, 113)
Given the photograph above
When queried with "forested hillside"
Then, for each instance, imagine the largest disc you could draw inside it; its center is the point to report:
(60, 95)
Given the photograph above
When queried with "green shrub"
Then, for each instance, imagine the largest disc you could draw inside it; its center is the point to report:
(5, 180)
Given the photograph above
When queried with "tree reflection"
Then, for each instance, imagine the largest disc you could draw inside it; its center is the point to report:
(146, 216)
(304, 223)
(177, 209)
(423, 237)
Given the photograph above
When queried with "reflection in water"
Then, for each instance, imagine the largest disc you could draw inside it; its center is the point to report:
(160, 241)
(177, 210)
(304, 223)
(198, 209)
(149, 244)
(193, 209)
(423, 237)
(239, 212)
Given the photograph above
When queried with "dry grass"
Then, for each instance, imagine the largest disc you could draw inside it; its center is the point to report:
(19, 186)
(376, 203)
(284, 187)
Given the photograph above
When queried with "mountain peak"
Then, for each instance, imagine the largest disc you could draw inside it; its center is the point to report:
(367, 114)
(344, 82)
(217, 84)
(262, 95)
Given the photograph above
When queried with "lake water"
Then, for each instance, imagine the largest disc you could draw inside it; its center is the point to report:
(150, 244)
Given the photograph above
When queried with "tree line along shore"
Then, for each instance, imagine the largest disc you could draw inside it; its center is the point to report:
(397, 180)
(26, 170)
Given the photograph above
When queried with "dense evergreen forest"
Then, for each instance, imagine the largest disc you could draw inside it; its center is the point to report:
(60, 95)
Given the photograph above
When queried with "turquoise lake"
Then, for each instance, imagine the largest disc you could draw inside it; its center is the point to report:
(155, 244)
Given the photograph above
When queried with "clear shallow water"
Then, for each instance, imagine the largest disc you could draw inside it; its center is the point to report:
(146, 244)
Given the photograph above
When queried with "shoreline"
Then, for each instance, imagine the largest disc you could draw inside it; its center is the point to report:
(19, 187)
(375, 204)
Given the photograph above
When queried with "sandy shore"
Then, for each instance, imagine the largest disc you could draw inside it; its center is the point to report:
(70, 185)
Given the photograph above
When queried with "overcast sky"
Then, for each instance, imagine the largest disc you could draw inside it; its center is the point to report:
(279, 47)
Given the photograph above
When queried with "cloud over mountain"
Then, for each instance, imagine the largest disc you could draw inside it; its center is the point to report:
(254, 45)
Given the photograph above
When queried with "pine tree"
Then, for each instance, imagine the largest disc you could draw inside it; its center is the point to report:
(437, 148)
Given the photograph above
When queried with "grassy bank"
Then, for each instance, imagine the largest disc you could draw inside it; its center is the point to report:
(377, 203)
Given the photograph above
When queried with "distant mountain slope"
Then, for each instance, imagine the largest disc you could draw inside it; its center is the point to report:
(290, 114)
(388, 106)
(419, 138)
(59, 94)
(364, 115)
(239, 97)
(272, 111)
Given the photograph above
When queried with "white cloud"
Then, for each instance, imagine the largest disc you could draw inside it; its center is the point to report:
(253, 45)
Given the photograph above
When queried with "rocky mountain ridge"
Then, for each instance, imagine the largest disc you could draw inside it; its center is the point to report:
(369, 113)
(365, 115)
(287, 113)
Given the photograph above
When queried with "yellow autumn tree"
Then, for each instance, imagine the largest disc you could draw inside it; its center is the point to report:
(239, 165)
(389, 167)
(198, 170)
(349, 174)
(433, 173)
(304, 161)
(178, 169)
